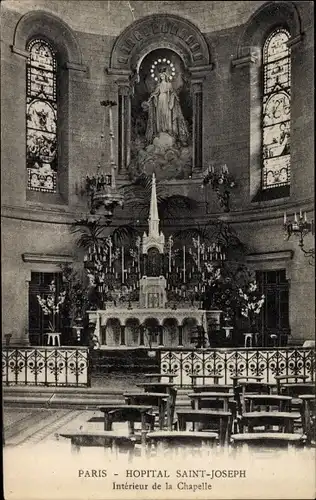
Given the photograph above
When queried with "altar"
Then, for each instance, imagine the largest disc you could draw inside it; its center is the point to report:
(152, 320)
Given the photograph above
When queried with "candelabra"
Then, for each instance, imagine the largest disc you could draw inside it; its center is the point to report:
(222, 182)
(101, 187)
(114, 272)
(300, 227)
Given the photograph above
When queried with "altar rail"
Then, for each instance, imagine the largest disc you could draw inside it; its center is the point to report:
(230, 362)
(46, 366)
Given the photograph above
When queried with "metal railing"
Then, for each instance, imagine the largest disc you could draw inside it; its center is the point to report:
(231, 362)
(46, 366)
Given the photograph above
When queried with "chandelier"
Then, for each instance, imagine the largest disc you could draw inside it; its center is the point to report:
(300, 227)
(101, 186)
(222, 183)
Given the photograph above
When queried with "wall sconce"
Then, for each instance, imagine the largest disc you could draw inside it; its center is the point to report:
(222, 183)
(300, 227)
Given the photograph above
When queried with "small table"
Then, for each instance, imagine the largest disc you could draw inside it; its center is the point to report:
(158, 399)
(215, 378)
(197, 397)
(264, 418)
(159, 376)
(306, 410)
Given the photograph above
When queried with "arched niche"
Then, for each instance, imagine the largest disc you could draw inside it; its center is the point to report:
(131, 49)
(42, 23)
(267, 17)
(189, 326)
(132, 330)
(112, 332)
(171, 331)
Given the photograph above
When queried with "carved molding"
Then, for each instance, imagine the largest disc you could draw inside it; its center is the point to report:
(153, 31)
(282, 255)
(240, 62)
(296, 40)
(76, 66)
(46, 258)
(20, 52)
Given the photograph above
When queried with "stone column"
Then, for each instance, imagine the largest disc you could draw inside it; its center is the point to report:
(198, 75)
(122, 79)
(160, 327)
(180, 332)
(141, 335)
(122, 334)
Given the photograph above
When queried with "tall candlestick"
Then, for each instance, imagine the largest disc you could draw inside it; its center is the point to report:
(183, 263)
(305, 217)
(122, 264)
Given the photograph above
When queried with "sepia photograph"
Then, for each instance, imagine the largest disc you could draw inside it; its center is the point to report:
(158, 252)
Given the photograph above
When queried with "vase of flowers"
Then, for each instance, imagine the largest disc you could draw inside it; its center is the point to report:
(51, 305)
(251, 302)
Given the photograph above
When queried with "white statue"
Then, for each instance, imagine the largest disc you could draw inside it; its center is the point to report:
(164, 112)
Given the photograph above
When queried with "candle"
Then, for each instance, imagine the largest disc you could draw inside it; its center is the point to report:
(295, 217)
(183, 263)
(198, 247)
(301, 214)
(122, 264)
(305, 217)
(284, 220)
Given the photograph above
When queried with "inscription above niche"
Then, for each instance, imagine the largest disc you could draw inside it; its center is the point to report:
(180, 33)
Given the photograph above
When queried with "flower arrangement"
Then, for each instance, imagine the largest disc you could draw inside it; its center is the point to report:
(251, 301)
(222, 182)
(51, 304)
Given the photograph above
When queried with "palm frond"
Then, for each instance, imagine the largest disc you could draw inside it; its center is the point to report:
(124, 233)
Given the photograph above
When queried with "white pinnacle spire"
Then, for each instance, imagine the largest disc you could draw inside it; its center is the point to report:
(153, 219)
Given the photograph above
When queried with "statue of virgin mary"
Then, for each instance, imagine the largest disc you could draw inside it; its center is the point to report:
(164, 112)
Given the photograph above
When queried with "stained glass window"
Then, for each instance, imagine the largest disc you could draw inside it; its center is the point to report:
(41, 117)
(276, 110)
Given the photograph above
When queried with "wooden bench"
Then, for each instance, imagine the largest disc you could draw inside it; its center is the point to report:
(200, 400)
(170, 390)
(267, 439)
(308, 413)
(212, 388)
(283, 403)
(283, 420)
(208, 418)
(194, 377)
(176, 439)
(154, 399)
(131, 415)
(295, 389)
(160, 376)
(107, 439)
(288, 379)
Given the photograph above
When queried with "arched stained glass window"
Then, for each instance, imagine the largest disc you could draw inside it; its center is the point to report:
(41, 117)
(276, 110)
